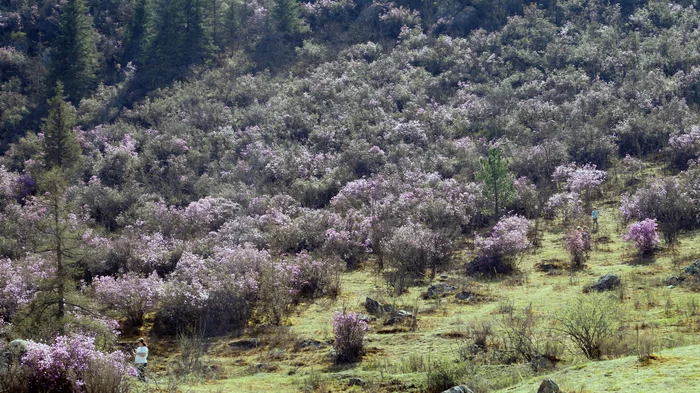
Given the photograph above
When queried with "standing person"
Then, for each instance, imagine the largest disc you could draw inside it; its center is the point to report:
(141, 358)
(594, 216)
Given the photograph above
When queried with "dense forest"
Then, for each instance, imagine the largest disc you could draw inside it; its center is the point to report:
(209, 164)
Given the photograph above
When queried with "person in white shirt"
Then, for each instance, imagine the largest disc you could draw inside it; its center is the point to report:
(141, 358)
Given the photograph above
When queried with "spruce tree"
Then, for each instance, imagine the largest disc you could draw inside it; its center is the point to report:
(180, 39)
(287, 16)
(61, 147)
(74, 56)
(498, 181)
(136, 35)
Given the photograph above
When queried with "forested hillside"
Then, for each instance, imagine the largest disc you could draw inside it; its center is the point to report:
(186, 168)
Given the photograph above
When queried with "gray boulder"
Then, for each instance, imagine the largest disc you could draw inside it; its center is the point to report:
(245, 344)
(458, 389)
(356, 382)
(693, 269)
(464, 295)
(439, 289)
(548, 386)
(376, 308)
(606, 283)
(309, 343)
(541, 363)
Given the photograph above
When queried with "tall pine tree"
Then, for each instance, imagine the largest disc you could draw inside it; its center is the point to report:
(180, 39)
(287, 16)
(74, 56)
(61, 147)
(498, 181)
(136, 36)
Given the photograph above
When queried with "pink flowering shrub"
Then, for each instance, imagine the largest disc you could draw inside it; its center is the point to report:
(498, 252)
(667, 201)
(62, 367)
(349, 331)
(578, 244)
(684, 147)
(17, 287)
(129, 294)
(566, 205)
(314, 276)
(643, 235)
(219, 292)
(581, 180)
(413, 249)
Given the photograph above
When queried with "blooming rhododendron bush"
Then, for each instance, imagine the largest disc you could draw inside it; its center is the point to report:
(73, 364)
(499, 252)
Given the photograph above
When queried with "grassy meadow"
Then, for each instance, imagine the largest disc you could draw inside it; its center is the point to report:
(655, 344)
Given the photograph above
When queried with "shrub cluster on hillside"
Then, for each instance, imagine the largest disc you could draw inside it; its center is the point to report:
(225, 199)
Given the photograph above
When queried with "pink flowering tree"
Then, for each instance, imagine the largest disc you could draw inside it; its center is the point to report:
(218, 293)
(129, 295)
(498, 252)
(73, 364)
(667, 201)
(18, 285)
(578, 245)
(684, 147)
(643, 235)
(566, 205)
(579, 179)
(349, 331)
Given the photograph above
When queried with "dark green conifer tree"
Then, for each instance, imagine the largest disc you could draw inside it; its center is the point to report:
(74, 57)
(180, 39)
(498, 181)
(136, 36)
(287, 16)
(61, 147)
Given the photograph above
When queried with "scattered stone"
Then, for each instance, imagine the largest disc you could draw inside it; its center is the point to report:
(693, 269)
(440, 289)
(443, 276)
(309, 343)
(265, 368)
(673, 280)
(458, 389)
(245, 344)
(606, 283)
(366, 318)
(548, 386)
(398, 317)
(356, 382)
(541, 363)
(375, 307)
(464, 295)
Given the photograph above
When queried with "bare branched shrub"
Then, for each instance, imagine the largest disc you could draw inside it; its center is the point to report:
(589, 322)
(13, 378)
(519, 331)
(192, 349)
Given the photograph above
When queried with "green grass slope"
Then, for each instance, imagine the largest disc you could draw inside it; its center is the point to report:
(674, 370)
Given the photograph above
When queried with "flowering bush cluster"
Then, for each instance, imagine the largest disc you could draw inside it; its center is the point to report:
(643, 235)
(578, 244)
(69, 363)
(667, 201)
(579, 179)
(563, 204)
(129, 294)
(684, 147)
(498, 252)
(349, 331)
